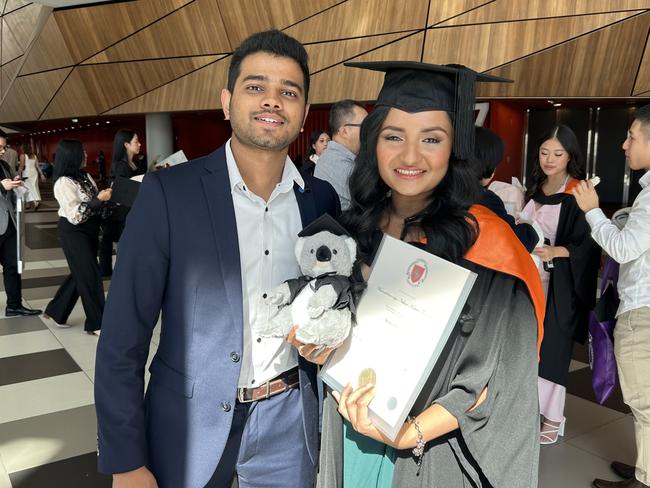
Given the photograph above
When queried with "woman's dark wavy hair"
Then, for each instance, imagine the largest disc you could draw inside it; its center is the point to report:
(69, 155)
(313, 138)
(569, 142)
(449, 228)
(122, 136)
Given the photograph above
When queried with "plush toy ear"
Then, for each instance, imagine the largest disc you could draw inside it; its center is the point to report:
(300, 243)
(352, 248)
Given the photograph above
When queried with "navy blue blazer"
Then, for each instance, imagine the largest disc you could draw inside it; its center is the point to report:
(179, 253)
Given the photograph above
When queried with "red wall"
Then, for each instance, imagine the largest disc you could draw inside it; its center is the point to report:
(508, 120)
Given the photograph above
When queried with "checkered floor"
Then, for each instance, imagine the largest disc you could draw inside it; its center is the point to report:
(47, 417)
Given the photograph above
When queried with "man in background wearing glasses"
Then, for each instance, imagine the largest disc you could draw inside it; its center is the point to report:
(337, 161)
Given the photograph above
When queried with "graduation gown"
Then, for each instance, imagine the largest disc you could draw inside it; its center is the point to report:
(571, 289)
(494, 345)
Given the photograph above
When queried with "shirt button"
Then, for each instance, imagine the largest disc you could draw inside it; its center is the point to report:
(264, 295)
(253, 382)
(225, 406)
(266, 253)
(234, 356)
(266, 209)
(259, 339)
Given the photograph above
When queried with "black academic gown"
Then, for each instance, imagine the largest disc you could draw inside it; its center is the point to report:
(571, 290)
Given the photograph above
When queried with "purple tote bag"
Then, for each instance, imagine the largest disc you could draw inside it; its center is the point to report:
(602, 320)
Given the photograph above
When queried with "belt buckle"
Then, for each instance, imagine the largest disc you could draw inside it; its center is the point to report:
(240, 396)
(268, 390)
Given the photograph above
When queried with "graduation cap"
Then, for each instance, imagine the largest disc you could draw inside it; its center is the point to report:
(324, 223)
(419, 87)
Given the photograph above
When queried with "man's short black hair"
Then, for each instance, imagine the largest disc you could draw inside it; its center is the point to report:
(341, 113)
(271, 42)
(3, 134)
(488, 151)
(642, 114)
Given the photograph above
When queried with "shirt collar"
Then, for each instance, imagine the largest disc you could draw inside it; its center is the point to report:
(645, 179)
(290, 173)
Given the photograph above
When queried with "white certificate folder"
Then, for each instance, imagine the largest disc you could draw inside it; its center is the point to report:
(403, 322)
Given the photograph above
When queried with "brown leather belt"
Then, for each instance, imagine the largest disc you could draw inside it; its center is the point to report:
(286, 381)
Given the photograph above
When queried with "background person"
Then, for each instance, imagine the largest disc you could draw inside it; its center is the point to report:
(30, 169)
(80, 205)
(318, 141)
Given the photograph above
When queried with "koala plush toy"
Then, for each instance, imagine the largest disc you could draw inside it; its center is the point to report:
(320, 302)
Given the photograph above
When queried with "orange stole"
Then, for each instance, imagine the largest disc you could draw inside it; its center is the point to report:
(498, 248)
(570, 186)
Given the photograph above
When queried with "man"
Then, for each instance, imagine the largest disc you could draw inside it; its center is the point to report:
(336, 163)
(11, 158)
(8, 249)
(630, 246)
(203, 243)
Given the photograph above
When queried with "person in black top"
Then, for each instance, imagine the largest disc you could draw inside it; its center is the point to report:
(124, 164)
(488, 150)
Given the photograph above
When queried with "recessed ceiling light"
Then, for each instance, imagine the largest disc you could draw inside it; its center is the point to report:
(74, 121)
(557, 104)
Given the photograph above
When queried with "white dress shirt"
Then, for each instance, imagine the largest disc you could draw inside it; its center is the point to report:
(73, 199)
(267, 234)
(629, 246)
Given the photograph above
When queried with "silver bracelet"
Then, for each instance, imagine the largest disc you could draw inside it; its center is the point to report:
(418, 450)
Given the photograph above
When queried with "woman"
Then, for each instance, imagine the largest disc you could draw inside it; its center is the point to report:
(31, 172)
(568, 267)
(80, 205)
(474, 423)
(318, 141)
(124, 164)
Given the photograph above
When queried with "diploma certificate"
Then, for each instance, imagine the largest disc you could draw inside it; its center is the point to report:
(403, 322)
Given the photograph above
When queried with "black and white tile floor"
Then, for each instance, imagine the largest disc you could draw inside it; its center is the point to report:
(47, 416)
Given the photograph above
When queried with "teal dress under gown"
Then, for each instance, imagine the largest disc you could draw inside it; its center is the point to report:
(367, 462)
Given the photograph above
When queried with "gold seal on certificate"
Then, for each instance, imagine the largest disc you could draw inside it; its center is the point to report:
(367, 377)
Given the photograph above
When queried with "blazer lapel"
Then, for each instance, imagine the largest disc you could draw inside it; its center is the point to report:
(216, 187)
(306, 203)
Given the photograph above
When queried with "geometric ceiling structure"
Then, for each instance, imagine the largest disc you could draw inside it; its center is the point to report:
(147, 56)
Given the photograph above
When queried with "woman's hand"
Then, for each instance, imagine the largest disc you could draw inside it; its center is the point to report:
(9, 184)
(548, 253)
(105, 195)
(311, 352)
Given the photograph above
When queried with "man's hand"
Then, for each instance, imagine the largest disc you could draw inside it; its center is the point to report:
(9, 184)
(138, 478)
(105, 195)
(586, 196)
(311, 352)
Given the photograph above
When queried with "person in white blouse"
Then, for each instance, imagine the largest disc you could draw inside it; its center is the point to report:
(80, 205)
(630, 246)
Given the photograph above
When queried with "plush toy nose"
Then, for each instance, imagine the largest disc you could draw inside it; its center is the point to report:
(323, 254)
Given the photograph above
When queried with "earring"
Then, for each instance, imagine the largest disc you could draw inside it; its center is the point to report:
(302, 129)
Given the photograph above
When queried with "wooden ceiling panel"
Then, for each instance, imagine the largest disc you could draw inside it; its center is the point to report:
(10, 46)
(200, 23)
(110, 85)
(49, 51)
(486, 46)
(12, 5)
(242, 18)
(9, 73)
(197, 91)
(356, 18)
(16, 107)
(326, 54)
(342, 82)
(40, 88)
(24, 23)
(642, 84)
(590, 66)
(87, 31)
(72, 100)
(507, 10)
(3, 3)
(440, 11)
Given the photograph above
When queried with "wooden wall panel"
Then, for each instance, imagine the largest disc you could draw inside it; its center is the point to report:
(39, 89)
(24, 23)
(342, 82)
(442, 11)
(49, 51)
(110, 85)
(326, 54)
(508, 10)
(642, 84)
(16, 107)
(11, 48)
(356, 18)
(87, 31)
(197, 91)
(588, 66)
(72, 100)
(8, 74)
(486, 46)
(241, 18)
(199, 24)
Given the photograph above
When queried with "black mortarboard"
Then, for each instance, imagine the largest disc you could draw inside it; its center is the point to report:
(324, 223)
(418, 87)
